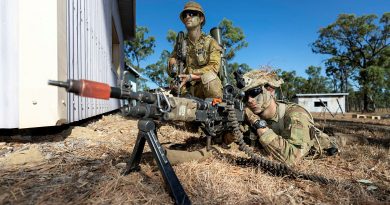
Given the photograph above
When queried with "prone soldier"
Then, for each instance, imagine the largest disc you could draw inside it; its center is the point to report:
(285, 130)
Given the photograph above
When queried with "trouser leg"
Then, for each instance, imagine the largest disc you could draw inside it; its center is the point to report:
(178, 156)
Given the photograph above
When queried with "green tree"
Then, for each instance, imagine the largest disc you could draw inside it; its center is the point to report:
(335, 77)
(233, 38)
(140, 47)
(137, 50)
(233, 67)
(339, 71)
(157, 71)
(171, 37)
(316, 83)
(355, 43)
(379, 76)
(292, 85)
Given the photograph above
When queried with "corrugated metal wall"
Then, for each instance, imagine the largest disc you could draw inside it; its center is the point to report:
(89, 31)
(9, 64)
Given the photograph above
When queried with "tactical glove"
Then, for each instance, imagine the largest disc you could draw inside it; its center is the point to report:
(250, 116)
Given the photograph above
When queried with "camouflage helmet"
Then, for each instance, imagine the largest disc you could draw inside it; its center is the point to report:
(258, 78)
(193, 6)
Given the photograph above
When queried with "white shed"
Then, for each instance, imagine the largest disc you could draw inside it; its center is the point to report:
(314, 102)
(57, 40)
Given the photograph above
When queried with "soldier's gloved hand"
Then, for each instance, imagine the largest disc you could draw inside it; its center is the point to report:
(250, 116)
(251, 119)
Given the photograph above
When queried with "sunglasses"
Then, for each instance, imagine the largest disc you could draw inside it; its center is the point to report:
(189, 13)
(253, 93)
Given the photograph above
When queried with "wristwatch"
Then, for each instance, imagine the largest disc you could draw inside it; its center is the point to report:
(259, 124)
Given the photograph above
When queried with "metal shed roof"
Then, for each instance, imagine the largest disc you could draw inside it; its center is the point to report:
(127, 15)
(320, 94)
(133, 70)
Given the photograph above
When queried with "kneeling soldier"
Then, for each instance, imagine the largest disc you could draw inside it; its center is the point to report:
(203, 57)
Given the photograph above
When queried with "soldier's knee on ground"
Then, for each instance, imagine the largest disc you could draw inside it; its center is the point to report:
(177, 156)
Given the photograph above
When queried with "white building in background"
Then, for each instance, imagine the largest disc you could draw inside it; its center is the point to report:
(314, 102)
(57, 40)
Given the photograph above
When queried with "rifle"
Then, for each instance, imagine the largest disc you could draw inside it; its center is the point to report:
(216, 116)
(181, 50)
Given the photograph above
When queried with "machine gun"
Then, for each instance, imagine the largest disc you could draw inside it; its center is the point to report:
(181, 49)
(216, 116)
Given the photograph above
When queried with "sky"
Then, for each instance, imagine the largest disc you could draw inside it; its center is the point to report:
(279, 32)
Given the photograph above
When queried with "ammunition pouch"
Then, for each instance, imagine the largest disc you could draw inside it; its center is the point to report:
(182, 109)
(202, 51)
(201, 57)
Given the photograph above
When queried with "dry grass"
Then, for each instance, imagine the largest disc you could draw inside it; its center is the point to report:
(83, 164)
(349, 118)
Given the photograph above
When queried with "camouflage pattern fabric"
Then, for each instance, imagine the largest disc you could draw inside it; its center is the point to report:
(182, 109)
(289, 138)
(204, 59)
(257, 78)
(179, 156)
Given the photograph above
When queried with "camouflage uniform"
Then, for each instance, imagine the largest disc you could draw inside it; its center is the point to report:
(203, 58)
(292, 134)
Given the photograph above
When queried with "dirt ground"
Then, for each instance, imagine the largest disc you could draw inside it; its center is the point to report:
(81, 164)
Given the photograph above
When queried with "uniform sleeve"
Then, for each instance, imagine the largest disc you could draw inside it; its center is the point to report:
(295, 144)
(214, 60)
